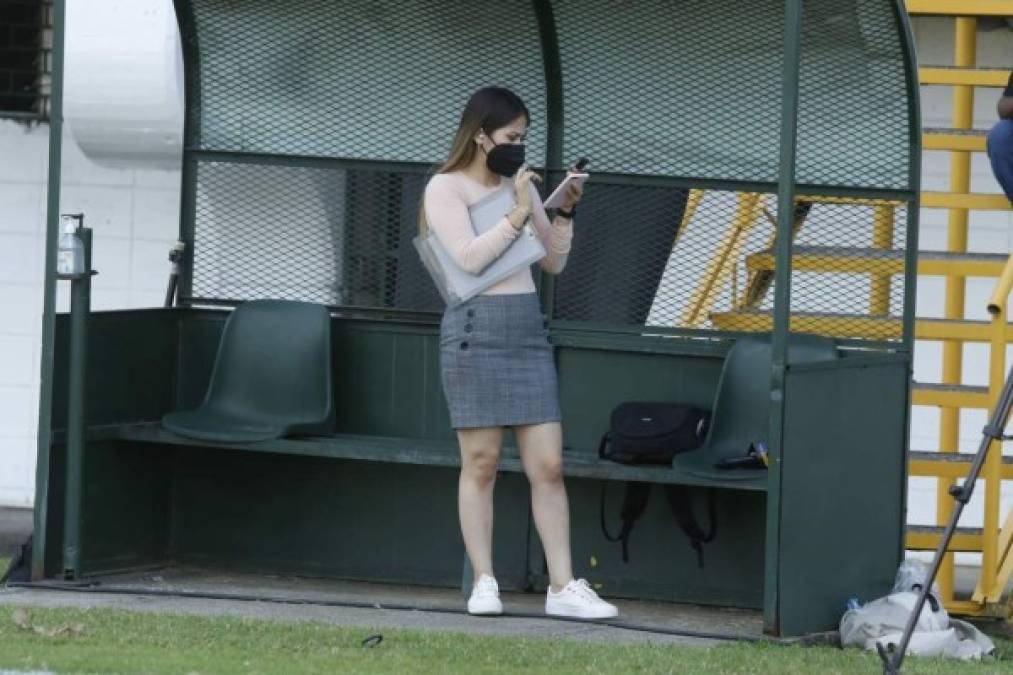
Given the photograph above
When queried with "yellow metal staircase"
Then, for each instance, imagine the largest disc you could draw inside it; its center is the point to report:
(948, 465)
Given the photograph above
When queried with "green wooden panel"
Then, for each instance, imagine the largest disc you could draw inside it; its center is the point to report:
(387, 382)
(313, 516)
(130, 366)
(662, 564)
(129, 377)
(384, 522)
(125, 512)
(842, 505)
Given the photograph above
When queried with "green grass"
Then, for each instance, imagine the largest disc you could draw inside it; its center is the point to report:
(115, 641)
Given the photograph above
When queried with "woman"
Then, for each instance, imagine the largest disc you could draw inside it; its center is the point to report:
(495, 358)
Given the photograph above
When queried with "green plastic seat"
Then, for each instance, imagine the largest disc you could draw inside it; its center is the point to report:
(271, 378)
(742, 410)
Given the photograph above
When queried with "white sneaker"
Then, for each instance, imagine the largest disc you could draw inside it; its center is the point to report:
(484, 598)
(578, 600)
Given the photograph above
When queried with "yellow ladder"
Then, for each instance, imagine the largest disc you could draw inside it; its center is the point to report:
(952, 395)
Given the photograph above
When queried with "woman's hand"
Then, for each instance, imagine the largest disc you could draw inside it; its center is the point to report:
(574, 191)
(522, 191)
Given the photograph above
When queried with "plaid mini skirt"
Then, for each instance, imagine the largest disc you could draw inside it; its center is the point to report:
(496, 362)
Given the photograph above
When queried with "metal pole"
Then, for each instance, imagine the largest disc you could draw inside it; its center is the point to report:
(912, 215)
(80, 306)
(554, 122)
(782, 294)
(992, 433)
(39, 539)
(914, 178)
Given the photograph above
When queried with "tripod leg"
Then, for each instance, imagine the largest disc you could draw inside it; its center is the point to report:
(993, 430)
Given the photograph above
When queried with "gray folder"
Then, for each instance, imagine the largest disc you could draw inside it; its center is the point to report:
(454, 284)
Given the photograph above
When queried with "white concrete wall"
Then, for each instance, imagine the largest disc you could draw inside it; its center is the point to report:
(132, 207)
(134, 212)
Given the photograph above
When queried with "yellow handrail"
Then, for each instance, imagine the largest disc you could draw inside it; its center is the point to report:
(1002, 288)
(958, 7)
(995, 566)
(748, 207)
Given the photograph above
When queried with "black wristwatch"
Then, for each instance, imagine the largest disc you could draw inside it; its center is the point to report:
(567, 214)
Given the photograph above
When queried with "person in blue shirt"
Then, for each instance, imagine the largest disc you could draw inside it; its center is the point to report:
(1000, 142)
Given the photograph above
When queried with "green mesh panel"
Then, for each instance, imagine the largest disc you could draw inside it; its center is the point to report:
(853, 107)
(330, 235)
(633, 262)
(314, 124)
(694, 90)
(367, 79)
(653, 268)
(848, 270)
(662, 88)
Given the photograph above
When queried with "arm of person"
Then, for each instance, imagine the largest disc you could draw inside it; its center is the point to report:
(556, 236)
(1006, 102)
(448, 217)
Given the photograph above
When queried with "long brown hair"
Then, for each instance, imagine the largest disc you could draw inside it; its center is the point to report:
(487, 110)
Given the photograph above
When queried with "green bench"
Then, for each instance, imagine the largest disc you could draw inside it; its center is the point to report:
(377, 500)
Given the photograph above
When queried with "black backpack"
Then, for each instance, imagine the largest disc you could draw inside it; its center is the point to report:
(646, 432)
(649, 432)
(679, 502)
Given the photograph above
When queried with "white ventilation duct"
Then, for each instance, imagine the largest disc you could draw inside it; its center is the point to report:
(123, 89)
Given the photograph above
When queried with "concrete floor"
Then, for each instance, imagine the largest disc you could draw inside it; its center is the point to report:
(191, 590)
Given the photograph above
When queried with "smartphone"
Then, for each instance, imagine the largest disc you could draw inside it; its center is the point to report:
(555, 200)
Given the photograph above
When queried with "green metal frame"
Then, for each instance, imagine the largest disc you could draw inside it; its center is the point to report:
(914, 176)
(80, 308)
(191, 136)
(554, 121)
(914, 215)
(49, 287)
(554, 98)
(782, 298)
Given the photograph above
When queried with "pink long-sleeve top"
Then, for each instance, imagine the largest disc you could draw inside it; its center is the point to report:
(447, 198)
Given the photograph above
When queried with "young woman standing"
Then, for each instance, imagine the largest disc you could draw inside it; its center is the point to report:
(495, 358)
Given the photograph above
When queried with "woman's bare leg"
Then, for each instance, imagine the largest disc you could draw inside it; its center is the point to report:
(541, 448)
(480, 449)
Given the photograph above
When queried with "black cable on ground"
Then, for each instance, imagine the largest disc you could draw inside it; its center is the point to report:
(95, 587)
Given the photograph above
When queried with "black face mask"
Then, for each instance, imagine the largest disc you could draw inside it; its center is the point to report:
(505, 158)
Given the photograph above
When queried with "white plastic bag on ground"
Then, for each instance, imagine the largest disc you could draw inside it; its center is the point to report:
(910, 576)
(883, 621)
